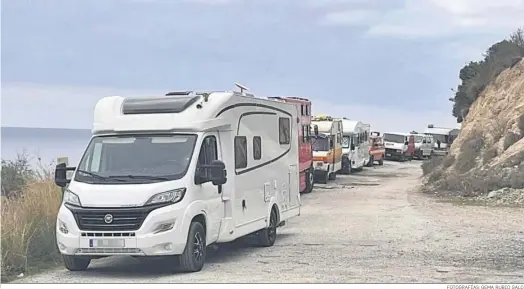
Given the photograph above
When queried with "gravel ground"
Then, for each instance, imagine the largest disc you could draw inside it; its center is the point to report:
(371, 226)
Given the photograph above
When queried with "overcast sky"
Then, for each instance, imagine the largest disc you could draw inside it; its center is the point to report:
(387, 62)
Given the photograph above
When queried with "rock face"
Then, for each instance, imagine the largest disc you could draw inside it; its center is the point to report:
(488, 155)
(498, 117)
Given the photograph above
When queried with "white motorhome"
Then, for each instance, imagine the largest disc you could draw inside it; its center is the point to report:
(327, 147)
(355, 145)
(423, 146)
(442, 138)
(167, 176)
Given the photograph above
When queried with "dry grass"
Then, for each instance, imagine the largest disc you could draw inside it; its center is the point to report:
(28, 227)
(28, 218)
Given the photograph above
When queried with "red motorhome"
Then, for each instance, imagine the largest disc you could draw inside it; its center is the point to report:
(304, 140)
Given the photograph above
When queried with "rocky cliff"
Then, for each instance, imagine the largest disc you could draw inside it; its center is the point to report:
(487, 159)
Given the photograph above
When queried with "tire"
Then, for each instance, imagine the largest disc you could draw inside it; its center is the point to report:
(194, 255)
(324, 178)
(370, 162)
(268, 236)
(75, 263)
(310, 181)
(332, 176)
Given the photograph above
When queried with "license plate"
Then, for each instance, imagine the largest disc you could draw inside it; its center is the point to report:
(106, 243)
(388, 155)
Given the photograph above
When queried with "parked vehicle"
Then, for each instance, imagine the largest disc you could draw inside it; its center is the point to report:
(399, 146)
(167, 176)
(355, 147)
(366, 145)
(423, 146)
(306, 170)
(327, 147)
(442, 138)
(377, 149)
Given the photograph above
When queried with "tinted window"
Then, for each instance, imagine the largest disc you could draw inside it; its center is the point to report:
(257, 147)
(240, 152)
(284, 130)
(394, 138)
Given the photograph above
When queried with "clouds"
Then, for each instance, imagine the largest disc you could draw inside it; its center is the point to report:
(436, 18)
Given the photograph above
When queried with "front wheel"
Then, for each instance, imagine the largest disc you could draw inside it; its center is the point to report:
(76, 263)
(332, 176)
(310, 180)
(194, 255)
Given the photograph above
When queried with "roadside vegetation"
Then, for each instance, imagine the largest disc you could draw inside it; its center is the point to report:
(30, 202)
(476, 75)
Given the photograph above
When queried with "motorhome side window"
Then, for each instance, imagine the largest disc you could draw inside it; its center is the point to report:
(284, 130)
(208, 153)
(257, 147)
(240, 152)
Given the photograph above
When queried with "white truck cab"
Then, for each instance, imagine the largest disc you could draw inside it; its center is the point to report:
(168, 176)
(355, 145)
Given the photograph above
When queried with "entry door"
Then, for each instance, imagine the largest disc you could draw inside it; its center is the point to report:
(205, 190)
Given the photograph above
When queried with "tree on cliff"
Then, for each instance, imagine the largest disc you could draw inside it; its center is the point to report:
(476, 75)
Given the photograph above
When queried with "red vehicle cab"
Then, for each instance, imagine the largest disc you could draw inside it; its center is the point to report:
(304, 134)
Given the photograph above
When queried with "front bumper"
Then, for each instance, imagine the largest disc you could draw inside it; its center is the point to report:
(142, 242)
(393, 154)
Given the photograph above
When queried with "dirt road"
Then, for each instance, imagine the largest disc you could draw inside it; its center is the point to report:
(366, 227)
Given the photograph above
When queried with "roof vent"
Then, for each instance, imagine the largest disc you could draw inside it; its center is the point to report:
(430, 126)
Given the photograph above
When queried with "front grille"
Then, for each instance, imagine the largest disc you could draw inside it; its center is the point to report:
(392, 151)
(124, 219)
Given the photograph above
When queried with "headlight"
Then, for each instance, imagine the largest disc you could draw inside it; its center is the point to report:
(71, 198)
(173, 196)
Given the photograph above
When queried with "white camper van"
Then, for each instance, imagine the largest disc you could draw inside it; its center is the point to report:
(355, 146)
(442, 138)
(167, 176)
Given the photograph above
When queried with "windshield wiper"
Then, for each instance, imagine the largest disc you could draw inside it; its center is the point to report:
(141, 177)
(99, 176)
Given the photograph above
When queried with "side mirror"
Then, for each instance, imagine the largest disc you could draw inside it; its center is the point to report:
(217, 172)
(352, 147)
(315, 128)
(61, 174)
(406, 143)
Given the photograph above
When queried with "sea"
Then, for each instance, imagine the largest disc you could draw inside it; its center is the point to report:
(44, 145)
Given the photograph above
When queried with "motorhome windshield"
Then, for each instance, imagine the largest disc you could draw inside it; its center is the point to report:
(396, 138)
(136, 159)
(419, 138)
(346, 141)
(320, 144)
